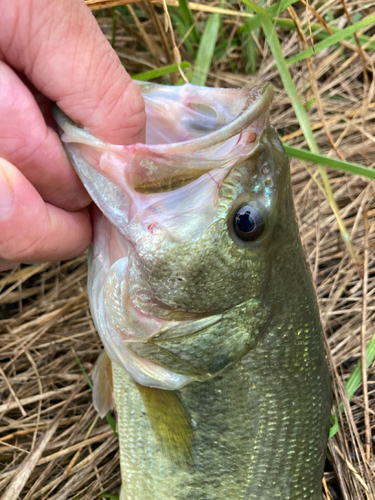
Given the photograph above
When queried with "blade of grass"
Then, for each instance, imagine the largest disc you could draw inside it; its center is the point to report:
(355, 378)
(188, 17)
(315, 28)
(317, 100)
(251, 53)
(301, 114)
(175, 53)
(87, 378)
(188, 76)
(281, 22)
(222, 49)
(355, 381)
(206, 50)
(253, 25)
(251, 49)
(273, 10)
(335, 427)
(331, 40)
(158, 72)
(344, 166)
(322, 35)
(287, 80)
(183, 32)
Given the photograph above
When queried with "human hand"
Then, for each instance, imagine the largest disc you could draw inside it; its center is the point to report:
(54, 50)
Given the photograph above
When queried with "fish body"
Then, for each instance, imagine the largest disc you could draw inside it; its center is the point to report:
(202, 295)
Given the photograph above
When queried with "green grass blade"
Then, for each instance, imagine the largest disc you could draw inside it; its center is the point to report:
(89, 383)
(112, 422)
(364, 39)
(335, 427)
(281, 22)
(188, 76)
(315, 28)
(187, 16)
(251, 49)
(206, 50)
(301, 114)
(345, 166)
(158, 72)
(355, 380)
(273, 10)
(288, 83)
(341, 34)
(181, 28)
(108, 495)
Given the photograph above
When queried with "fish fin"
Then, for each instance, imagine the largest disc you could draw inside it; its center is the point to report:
(171, 424)
(102, 392)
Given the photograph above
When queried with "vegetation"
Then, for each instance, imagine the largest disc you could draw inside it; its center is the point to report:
(320, 58)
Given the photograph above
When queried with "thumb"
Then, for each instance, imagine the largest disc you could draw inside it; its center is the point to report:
(59, 46)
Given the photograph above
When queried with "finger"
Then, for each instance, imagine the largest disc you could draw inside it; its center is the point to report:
(59, 46)
(5, 265)
(26, 141)
(32, 231)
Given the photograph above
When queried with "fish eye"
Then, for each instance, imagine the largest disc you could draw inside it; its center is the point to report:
(248, 223)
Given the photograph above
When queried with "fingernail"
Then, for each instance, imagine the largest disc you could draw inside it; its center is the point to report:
(6, 191)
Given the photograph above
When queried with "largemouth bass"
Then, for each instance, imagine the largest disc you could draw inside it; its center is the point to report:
(201, 293)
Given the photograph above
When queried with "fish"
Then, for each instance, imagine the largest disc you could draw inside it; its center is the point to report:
(201, 293)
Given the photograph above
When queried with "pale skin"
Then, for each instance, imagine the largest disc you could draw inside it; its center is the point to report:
(54, 50)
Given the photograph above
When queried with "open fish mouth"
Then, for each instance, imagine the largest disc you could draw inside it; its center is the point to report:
(163, 193)
(202, 129)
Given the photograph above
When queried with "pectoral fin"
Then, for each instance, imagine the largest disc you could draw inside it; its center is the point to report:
(102, 394)
(171, 424)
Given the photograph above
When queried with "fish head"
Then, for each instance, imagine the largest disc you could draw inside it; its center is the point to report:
(208, 246)
(190, 226)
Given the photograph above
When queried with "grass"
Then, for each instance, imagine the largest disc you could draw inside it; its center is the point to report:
(354, 382)
(321, 66)
(206, 49)
(159, 72)
(318, 159)
(340, 35)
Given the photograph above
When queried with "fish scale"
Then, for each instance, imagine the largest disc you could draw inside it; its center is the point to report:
(250, 409)
(221, 386)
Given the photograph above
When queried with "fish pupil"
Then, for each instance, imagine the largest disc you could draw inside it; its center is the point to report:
(245, 222)
(248, 223)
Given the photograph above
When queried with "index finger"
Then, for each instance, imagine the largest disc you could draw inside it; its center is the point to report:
(61, 49)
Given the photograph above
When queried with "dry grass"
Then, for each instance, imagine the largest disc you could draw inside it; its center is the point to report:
(52, 444)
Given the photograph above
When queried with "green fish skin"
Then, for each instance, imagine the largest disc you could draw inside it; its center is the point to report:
(238, 324)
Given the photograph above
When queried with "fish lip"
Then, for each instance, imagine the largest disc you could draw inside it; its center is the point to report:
(251, 113)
